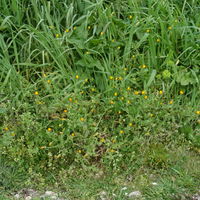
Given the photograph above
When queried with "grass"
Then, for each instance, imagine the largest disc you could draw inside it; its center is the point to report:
(100, 90)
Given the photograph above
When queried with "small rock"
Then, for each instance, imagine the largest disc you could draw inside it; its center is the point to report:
(134, 194)
(50, 193)
(28, 198)
(17, 196)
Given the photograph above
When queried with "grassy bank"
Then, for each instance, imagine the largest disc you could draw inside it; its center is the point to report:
(100, 89)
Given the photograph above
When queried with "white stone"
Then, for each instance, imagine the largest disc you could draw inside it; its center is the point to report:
(134, 194)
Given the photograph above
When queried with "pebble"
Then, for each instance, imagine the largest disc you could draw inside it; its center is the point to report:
(134, 194)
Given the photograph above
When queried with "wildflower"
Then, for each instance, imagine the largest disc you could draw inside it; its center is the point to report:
(158, 40)
(112, 150)
(118, 47)
(125, 68)
(89, 27)
(169, 28)
(143, 92)
(120, 78)
(160, 92)
(73, 134)
(81, 92)
(115, 94)
(62, 118)
(13, 134)
(181, 92)
(82, 119)
(6, 128)
(102, 140)
(176, 20)
(87, 52)
(79, 151)
(102, 33)
(148, 30)
(198, 112)
(151, 115)
(121, 132)
(67, 30)
(74, 28)
(130, 16)
(128, 102)
(111, 77)
(48, 81)
(145, 97)
(136, 92)
(143, 66)
(42, 147)
(119, 112)
(49, 129)
(133, 56)
(122, 98)
(57, 35)
(112, 40)
(113, 141)
(36, 93)
(50, 143)
(112, 102)
(44, 75)
(93, 89)
(171, 102)
(70, 99)
(130, 124)
(86, 80)
(77, 76)
(61, 133)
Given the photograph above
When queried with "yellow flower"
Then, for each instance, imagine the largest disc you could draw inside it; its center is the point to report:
(89, 27)
(133, 56)
(128, 88)
(122, 98)
(181, 92)
(136, 92)
(102, 140)
(6, 128)
(62, 118)
(120, 78)
(49, 129)
(93, 89)
(112, 40)
(148, 30)
(169, 28)
(125, 68)
(128, 102)
(118, 47)
(113, 141)
(36, 93)
(121, 132)
(50, 143)
(70, 99)
(160, 92)
(111, 77)
(158, 40)
(42, 147)
(49, 81)
(130, 124)
(67, 30)
(77, 76)
(79, 151)
(171, 102)
(81, 92)
(130, 16)
(13, 134)
(112, 150)
(112, 102)
(82, 119)
(151, 115)
(74, 28)
(198, 112)
(73, 134)
(143, 66)
(143, 92)
(57, 35)
(145, 97)
(102, 33)
(115, 94)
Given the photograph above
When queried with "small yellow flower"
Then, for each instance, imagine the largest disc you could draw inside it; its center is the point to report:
(148, 30)
(67, 30)
(102, 140)
(57, 35)
(112, 150)
(169, 28)
(171, 102)
(118, 47)
(143, 66)
(176, 20)
(81, 92)
(198, 112)
(113, 141)
(160, 92)
(144, 92)
(115, 94)
(158, 40)
(6, 128)
(133, 56)
(86, 80)
(13, 134)
(102, 33)
(112, 40)
(151, 115)
(130, 17)
(112, 102)
(128, 88)
(111, 77)
(145, 97)
(77, 76)
(93, 89)
(125, 68)
(89, 27)
(42, 147)
(122, 98)
(36, 93)
(79, 151)
(82, 119)
(136, 92)
(74, 28)
(49, 129)
(50, 143)
(44, 75)
(130, 124)
(121, 132)
(62, 119)
(48, 81)
(128, 102)
(120, 78)
(147, 133)
(119, 112)
(70, 99)
(73, 134)
(181, 92)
